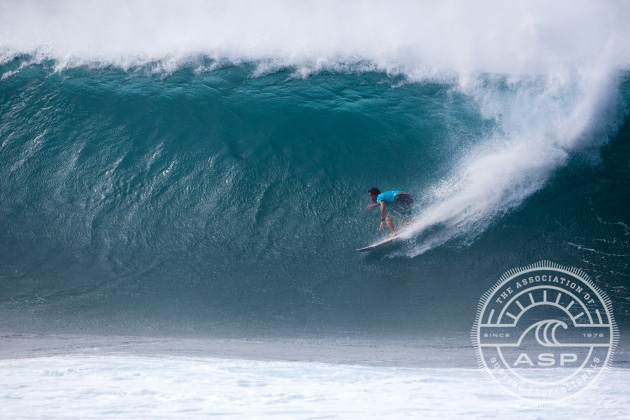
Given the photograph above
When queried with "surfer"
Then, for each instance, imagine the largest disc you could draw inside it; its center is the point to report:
(393, 204)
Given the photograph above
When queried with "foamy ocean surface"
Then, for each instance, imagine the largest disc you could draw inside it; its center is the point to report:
(155, 387)
(126, 377)
(183, 190)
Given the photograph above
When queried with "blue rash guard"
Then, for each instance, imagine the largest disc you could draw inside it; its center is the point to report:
(387, 196)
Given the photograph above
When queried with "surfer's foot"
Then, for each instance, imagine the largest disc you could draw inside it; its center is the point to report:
(391, 235)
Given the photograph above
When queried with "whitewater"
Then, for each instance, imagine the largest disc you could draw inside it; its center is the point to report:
(135, 387)
(183, 188)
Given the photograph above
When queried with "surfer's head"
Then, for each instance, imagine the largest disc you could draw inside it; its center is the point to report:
(373, 193)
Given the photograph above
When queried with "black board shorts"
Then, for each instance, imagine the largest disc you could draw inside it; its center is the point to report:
(401, 207)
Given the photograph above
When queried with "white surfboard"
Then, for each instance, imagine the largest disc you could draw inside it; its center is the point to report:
(381, 244)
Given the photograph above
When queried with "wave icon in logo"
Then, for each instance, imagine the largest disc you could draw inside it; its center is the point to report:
(545, 333)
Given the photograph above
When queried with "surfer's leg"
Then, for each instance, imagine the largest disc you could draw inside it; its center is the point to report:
(406, 219)
(389, 221)
(390, 225)
(402, 207)
(406, 222)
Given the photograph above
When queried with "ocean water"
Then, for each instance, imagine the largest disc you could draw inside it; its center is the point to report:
(200, 171)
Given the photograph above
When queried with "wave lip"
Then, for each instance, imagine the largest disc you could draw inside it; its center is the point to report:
(419, 39)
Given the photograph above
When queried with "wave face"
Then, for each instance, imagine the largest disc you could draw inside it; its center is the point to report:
(205, 166)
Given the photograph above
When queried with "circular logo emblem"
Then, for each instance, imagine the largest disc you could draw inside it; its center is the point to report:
(545, 333)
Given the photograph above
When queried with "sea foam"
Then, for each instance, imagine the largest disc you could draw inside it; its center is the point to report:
(79, 386)
(418, 38)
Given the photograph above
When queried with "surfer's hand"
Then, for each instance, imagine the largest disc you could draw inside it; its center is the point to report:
(380, 227)
(370, 206)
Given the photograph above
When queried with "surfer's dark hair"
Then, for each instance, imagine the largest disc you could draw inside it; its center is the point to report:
(374, 191)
